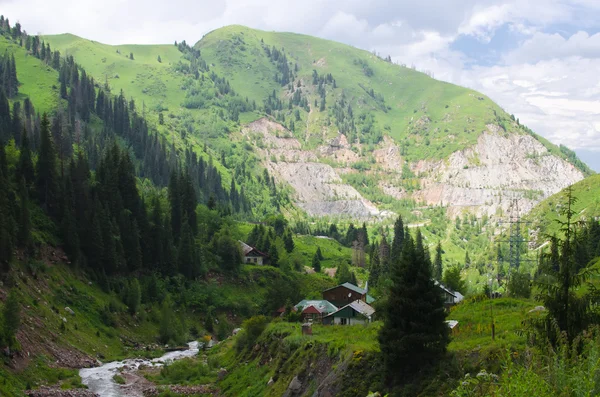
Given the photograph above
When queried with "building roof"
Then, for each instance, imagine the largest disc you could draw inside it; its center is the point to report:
(359, 307)
(362, 308)
(459, 296)
(452, 323)
(443, 288)
(350, 287)
(311, 310)
(248, 250)
(322, 305)
(370, 299)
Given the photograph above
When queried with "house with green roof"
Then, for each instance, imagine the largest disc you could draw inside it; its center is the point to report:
(315, 310)
(357, 312)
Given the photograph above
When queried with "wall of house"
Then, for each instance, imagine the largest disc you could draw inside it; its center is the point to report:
(341, 296)
(349, 320)
(449, 299)
(254, 260)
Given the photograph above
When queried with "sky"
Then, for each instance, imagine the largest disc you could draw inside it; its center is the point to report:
(538, 59)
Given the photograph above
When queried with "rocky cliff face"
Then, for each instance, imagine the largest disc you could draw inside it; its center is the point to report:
(319, 190)
(483, 179)
(499, 168)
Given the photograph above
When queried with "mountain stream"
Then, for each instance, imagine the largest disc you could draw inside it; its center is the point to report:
(100, 379)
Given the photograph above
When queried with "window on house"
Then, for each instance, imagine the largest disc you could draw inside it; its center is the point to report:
(344, 321)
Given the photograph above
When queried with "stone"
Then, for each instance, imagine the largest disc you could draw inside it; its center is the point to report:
(270, 382)
(295, 385)
(69, 310)
(222, 373)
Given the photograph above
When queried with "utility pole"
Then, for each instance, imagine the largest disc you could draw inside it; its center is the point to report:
(491, 281)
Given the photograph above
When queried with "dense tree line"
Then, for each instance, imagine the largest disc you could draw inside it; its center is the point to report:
(562, 270)
(285, 73)
(8, 75)
(153, 158)
(104, 223)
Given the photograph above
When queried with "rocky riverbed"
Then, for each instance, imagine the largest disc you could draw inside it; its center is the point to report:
(100, 381)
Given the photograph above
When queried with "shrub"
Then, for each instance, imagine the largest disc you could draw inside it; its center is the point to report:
(252, 329)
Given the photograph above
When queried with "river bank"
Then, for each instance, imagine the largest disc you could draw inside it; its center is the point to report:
(101, 380)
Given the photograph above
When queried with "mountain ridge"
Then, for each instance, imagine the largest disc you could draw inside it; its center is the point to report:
(319, 91)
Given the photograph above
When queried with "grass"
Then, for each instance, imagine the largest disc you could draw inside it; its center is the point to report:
(474, 324)
(282, 352)
(285, 352)
(188, 371)
(409, 95)
(39, 372)
(119, 380)
(587, 192)
(333, 252)
(36, 80)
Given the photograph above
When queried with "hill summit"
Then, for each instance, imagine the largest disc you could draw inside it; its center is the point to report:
(345, 131)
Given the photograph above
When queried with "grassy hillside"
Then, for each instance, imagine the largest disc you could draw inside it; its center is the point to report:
(345, 360)
(36, 81)
(143, 78)
(408, 96)
(430, 118)
(587, 206)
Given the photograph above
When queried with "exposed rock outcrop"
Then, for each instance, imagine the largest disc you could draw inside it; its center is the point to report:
(485, 178)
(481, 179)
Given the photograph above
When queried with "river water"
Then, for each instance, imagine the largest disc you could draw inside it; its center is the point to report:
(100, 379)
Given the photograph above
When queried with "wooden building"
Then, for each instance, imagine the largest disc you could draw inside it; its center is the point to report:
(346, 293)
(315, 310)
(253, 256)
(357, 312)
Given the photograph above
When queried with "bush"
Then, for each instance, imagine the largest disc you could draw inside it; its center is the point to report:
(519, 285)
(186, 371)
(251, 331)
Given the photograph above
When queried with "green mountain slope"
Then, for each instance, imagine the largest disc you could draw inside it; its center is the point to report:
(363, 128)
(143, 77)
(407, 97)
(587, 192)
(35, 79)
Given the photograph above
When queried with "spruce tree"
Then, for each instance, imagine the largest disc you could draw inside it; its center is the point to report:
(375, 266)
(25, 168)
(566, 309)
(398, 240)
(11, 314)
(24, 235)
(186, 252)
(320, 254)
(344, 274)
(414, 332)
(316, 263)
(134, 296)
(273, 255)
(47, 178)
(288, 241)
(437, 263)
(7, 223)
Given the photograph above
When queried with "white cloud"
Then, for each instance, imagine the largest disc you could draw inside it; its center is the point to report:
(553, 97)
(550, 46)
(482, 23)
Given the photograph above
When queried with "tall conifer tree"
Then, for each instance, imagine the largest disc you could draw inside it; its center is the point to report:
(414, 333)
